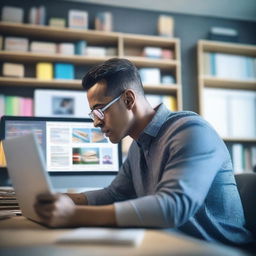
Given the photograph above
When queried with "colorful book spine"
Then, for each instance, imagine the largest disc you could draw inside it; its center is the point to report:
(2, 105)
(16, 106)
(2, 157)
(64, 71)
(44, 71)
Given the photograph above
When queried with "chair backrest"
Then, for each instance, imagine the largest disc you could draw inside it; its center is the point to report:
(246, 184)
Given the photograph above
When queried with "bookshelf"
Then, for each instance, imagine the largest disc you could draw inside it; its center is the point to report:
(128, 46)
(233, 87)
(120, 41)
(206, 81)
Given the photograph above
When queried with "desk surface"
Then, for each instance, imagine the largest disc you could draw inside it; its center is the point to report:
(19, 236)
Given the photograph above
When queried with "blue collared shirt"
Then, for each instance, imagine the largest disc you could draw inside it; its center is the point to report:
(183, 180)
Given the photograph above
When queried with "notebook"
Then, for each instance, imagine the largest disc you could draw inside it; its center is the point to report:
(26, 169)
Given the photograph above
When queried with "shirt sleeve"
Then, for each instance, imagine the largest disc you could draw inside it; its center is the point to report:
(196, 154)
(120, 189)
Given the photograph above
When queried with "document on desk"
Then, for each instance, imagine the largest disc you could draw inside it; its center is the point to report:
(113, 236)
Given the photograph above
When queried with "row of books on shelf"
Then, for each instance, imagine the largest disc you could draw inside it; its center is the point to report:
(49, 71)
(229, 66)
(243, 158)
(16, 106)
(64, 103)
(80, 47)
(231, 112)
(78, 19)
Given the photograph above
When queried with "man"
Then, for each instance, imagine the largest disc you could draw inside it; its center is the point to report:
(178, 172)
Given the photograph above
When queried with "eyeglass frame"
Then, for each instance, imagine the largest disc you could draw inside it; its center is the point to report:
(101, 110)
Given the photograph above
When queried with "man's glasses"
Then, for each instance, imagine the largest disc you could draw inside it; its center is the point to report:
(99, 112)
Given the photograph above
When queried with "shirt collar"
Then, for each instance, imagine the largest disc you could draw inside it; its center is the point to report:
(154, 125)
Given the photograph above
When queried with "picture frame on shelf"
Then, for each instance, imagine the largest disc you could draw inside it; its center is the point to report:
(61, 103)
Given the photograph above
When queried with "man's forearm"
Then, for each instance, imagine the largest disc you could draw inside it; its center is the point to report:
(94, 216)
(78, 198)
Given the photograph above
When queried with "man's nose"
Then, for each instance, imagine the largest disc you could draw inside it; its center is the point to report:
(97, 122)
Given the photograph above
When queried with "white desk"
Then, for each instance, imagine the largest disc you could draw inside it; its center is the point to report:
(19, 236)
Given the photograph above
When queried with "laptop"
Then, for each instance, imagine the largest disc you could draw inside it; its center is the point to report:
(69, 145)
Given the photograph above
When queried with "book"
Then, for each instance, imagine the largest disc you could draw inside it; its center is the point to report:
(253, 158)
(42, 15)
(95, 51)
(229, 66)
(165, 26)
(12, 69)
(78, 19)
(12, 14)
(237, 157)
(16, 106)
(43, 47)
(215, 110)
(80, 47)
(167, 79)
(64, 71)
(26, 107)
(206, 64)
(44, 71)
(170, 102)
(104, 21)
(152, 52)
(111, 51)
(16, 44)
(150, 76)
(57, 22)
(167, 54)
(1, 42)
(66, 48)
(2, 105)
(113, 236)
(37, 15)
(9, 105)
(242, 114)
(223, 34)
(2, 156)
(233, 114)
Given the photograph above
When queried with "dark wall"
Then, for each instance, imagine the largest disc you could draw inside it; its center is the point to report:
(188, 28)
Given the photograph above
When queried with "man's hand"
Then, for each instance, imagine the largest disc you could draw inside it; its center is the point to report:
(55, 210)
(59, 210)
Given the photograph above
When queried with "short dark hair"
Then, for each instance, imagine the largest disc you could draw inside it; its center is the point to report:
(118, 74)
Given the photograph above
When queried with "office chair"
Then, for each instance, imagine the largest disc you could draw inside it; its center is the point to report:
(246, 184)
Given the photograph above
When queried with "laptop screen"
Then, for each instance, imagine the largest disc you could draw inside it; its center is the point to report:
(68, 144)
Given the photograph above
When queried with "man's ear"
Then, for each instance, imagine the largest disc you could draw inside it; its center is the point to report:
(129, 98)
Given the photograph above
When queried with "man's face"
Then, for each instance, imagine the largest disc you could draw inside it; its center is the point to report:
(115, 124)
